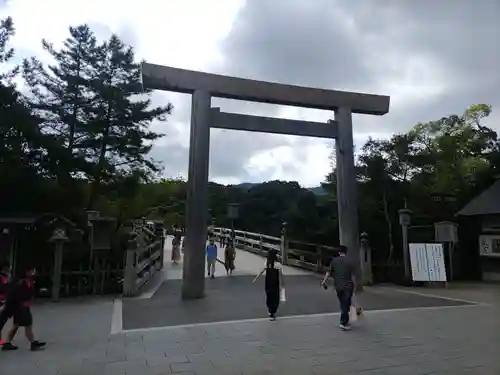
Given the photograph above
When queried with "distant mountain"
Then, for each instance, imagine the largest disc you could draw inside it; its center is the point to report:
(318, 190)
(246, 185)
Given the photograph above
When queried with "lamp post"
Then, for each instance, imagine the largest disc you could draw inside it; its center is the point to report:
(405, 221)
(366, 259)
(232, 214)
(284, 252)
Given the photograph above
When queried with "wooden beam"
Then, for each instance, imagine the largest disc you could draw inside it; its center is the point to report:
(236, 121)
(159, 77)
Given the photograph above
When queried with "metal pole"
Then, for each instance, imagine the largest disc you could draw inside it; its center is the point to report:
(346, 186)
(450, 253)
(193, 277)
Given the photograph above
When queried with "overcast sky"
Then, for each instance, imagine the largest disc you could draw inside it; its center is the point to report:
(433, 59)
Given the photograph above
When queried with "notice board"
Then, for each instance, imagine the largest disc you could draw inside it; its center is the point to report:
(427, 262)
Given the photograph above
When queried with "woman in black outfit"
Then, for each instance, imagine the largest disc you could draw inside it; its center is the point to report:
(273, 283)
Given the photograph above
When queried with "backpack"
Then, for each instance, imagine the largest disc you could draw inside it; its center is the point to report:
(4, 286)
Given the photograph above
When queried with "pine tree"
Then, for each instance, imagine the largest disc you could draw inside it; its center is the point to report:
(60, 97)
(18, 131)
(118, 133)
(92, 105)
(22, 152)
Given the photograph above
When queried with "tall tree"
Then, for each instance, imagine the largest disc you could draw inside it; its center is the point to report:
(60, 97)
(118, 135)
(91, 102)
(21, 149)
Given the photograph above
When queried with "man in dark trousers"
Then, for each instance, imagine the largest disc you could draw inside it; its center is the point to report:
(343, 271)
(18, 303)
(5, 314)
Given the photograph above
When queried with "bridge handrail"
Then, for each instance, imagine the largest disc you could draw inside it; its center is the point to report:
(144, 257)
(291, 256)
(227, 232)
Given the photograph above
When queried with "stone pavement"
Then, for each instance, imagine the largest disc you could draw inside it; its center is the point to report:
(445, 340)
(236, 298)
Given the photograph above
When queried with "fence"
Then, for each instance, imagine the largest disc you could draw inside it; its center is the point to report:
(83, 280)
(310, 256)
(144, 258)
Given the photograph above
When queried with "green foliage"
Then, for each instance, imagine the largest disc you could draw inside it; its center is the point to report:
(91, 103)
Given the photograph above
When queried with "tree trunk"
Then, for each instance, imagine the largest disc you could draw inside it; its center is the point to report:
(96, 184)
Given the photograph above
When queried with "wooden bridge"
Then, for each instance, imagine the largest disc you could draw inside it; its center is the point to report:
(310, 256)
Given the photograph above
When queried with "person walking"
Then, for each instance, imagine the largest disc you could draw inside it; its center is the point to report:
(343, 272)
(273, 283)
(229, 257)
(176, 245)
(19, 301)
(212, 253)
(175, 250)
(5, 314)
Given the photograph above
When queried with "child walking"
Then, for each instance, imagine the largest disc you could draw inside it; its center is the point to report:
(212, 253)
(19, 303)
(273, 283)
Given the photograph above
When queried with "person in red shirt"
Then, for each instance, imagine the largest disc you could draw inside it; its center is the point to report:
(19, 299)
(5, 314)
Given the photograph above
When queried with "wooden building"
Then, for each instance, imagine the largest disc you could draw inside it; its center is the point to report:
(480, 234)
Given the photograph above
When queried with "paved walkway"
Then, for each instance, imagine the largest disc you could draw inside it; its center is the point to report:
(457, 339)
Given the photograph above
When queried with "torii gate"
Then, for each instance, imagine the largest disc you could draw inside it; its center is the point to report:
(204, 86)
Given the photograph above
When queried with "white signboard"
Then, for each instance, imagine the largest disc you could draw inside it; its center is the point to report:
(418, 261)
(427, 262)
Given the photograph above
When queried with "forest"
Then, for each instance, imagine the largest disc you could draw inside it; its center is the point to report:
(76, 136)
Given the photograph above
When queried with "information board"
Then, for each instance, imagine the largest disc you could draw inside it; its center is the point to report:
(427, 262)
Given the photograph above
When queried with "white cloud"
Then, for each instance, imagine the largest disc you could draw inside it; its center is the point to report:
(384, 49)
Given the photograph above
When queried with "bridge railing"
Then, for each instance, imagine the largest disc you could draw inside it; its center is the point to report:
(144, 257)
(310, 256)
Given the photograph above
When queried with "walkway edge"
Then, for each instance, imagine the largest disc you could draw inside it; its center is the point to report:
(291, 317)
(117, 318)
(433, 295)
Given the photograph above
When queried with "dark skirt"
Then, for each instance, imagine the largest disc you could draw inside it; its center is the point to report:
(229, 264)
(229, 260)
(272, 300)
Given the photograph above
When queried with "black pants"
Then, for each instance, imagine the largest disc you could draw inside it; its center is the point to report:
(345, 297)
(5, 315)
(272, 301)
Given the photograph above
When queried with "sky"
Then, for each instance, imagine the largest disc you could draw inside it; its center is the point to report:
(433, 59)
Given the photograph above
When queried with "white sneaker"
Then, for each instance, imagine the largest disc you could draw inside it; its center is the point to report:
(345, 327)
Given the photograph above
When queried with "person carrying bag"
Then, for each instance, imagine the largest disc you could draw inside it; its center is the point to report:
(274, 284)
(343, 271)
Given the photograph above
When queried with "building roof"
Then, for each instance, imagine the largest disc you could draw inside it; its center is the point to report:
(486, 203)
